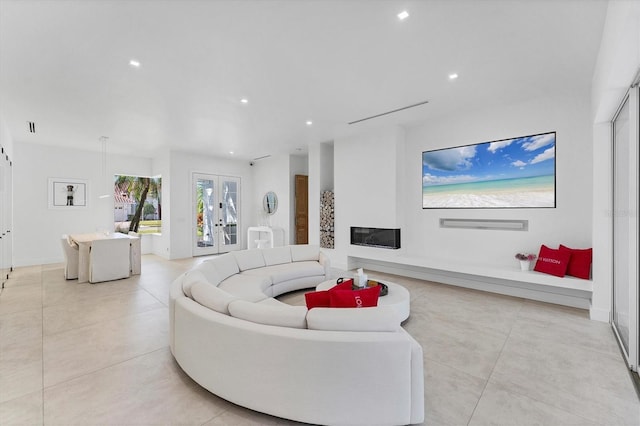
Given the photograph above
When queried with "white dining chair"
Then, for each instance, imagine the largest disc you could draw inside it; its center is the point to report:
(109, 259)
(70, 251)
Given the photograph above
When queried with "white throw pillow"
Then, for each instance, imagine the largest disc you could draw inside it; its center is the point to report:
(379, 318)
(249, 259)
(302, 252)
(277, 256)
(282, 316)
(190, 279)
(212, 297)
(226, 265)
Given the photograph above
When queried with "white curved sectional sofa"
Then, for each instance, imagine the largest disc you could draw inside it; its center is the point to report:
(322, 366)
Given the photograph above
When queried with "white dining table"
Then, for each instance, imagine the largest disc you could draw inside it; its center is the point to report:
(84, 247)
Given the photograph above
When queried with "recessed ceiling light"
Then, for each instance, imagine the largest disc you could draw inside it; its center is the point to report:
(309, 122)
(403, 15)
(244, 100)
(134, 63)
(453, 76)
(231, 152)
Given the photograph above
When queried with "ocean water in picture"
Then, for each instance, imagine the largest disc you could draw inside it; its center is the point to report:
(508, 173)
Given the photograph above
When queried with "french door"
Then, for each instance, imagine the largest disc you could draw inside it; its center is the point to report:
(215, 214)
(625, 298)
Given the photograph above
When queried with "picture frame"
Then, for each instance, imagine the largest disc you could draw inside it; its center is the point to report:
(518, 172)
(68, 193)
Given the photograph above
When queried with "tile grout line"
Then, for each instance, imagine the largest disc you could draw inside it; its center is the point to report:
(508, 336)
(516, 392)
(42, 337)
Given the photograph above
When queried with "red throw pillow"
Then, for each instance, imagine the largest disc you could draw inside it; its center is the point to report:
(317, 299)
(320, 299)
(580, 262)
(552, 261)
(364, 298)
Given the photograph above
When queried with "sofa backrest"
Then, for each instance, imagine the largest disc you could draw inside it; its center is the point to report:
(277, 255)
(378, 318)
(210, 272)
(225, 265)
(303, 252)
(249, 259)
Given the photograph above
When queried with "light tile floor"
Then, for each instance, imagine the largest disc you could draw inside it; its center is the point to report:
(83, 354)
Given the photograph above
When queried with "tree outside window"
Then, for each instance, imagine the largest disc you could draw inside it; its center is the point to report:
(137, 204)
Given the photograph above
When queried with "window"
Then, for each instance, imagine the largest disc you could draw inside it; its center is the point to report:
(137, 204)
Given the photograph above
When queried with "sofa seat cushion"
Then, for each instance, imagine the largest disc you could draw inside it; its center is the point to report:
(288, 271)
(251, 288)
(277, 315)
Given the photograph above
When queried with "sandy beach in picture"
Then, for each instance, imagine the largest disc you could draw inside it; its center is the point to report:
(504, 199)
(507, 193)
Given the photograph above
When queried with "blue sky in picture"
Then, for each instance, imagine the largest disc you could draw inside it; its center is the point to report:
(516, 158)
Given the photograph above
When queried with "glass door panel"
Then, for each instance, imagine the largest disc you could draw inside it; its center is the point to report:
(215, 214)
(621, 318)
(229, 214)
(625, 298)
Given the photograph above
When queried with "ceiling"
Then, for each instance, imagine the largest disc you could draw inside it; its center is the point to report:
(64, 65)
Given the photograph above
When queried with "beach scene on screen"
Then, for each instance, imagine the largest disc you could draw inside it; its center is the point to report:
(509, 173)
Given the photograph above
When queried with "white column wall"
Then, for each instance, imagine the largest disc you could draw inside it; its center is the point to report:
(366, 186)
(315, 166)
(617, 64)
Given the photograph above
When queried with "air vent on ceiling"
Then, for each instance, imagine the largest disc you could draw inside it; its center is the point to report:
(32, 126)
(260, 158)
(389, 112)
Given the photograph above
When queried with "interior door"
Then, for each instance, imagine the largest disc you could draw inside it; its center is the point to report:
(216, 214)
(302, 209)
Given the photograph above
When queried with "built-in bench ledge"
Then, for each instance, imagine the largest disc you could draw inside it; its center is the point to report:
(568, 291)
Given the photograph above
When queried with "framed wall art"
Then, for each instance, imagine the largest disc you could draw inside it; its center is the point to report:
(65, 193)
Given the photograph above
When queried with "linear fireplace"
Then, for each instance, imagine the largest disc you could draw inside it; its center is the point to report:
(376, 237)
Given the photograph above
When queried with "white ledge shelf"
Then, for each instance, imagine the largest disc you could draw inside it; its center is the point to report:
(567, 291)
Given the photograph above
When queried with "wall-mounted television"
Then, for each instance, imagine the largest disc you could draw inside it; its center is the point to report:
(509, 173)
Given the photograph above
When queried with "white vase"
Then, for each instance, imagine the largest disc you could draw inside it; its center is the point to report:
(524, 265)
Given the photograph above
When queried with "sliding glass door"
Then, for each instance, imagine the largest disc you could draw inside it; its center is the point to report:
(625, 302)
(216, 214)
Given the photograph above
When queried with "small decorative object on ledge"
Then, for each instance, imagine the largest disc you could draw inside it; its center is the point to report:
(327, 217)
(525, 260)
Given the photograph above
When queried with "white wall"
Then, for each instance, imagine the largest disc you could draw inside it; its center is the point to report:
(6, 141)
(569, 223)
(366, 185)
(272, 174)
(37, 229)
(378, 184)
(618, 62)
(182, 166)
